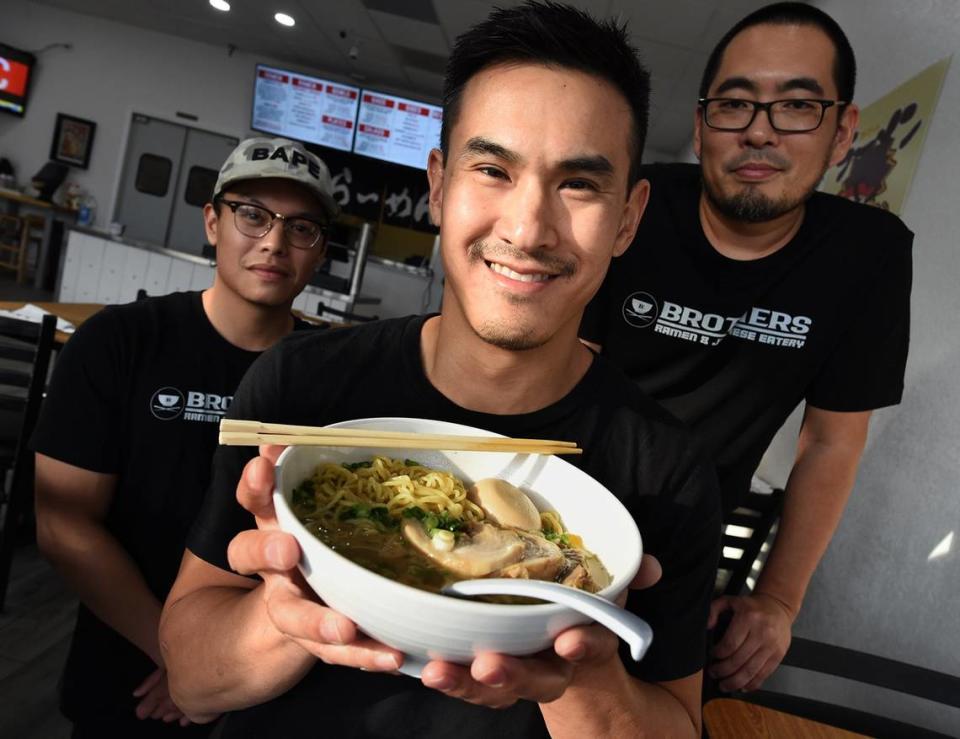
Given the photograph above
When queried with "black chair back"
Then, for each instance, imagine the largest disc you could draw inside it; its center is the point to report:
(25, 350)
(876, 680)
(744, 532)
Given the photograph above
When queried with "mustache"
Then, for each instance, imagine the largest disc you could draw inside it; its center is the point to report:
(753, 157)
(481, 251)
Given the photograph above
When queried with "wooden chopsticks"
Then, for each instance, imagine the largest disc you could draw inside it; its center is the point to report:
(254, 433)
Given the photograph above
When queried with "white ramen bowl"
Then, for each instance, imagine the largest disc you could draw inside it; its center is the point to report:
(428, 626)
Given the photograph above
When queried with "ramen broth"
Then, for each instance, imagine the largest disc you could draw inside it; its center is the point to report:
(366, 525)
(385, 552)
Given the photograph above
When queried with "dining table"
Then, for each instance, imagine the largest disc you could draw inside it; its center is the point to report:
(77, 313)
(731, 718)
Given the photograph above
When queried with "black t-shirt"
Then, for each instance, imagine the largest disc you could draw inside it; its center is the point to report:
(732, 347)
(638, 451)
(138, 392)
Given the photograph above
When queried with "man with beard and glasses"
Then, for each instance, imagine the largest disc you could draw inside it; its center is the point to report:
(747, 292)
(534, 188)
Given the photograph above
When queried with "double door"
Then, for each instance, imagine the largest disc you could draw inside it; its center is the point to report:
(169, 172)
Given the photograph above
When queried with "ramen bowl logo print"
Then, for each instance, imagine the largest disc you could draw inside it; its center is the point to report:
(640, 309)
(167, 403)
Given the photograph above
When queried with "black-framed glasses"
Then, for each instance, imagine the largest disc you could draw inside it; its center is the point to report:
(256, 221)
(797, 115)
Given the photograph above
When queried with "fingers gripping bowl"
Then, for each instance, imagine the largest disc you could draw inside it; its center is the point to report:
(427, 625)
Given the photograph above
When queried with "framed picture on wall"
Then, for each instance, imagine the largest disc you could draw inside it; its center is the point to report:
(72, 141)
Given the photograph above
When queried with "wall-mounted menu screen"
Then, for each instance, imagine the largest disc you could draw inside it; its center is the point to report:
(305, 108)
(396, 129)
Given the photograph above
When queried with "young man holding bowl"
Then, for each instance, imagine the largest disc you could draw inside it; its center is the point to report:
(535, 188)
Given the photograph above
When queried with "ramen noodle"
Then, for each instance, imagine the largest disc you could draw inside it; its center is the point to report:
(416, 525)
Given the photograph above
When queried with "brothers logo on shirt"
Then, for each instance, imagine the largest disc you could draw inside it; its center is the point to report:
(168, 403)
(640, 309)
(759, 325)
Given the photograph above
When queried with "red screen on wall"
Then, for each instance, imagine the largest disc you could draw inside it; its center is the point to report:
(16, 69)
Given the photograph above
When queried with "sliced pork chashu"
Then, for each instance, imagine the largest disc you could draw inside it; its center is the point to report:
(485, 550)
(542, 559)
(584, 571)
(482, 549)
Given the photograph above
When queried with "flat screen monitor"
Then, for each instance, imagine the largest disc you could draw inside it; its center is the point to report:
(396, 129)
(304, 108)
(16, 69)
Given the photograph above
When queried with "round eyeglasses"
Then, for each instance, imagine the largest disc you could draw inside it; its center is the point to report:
(256, 221)
(786, 116)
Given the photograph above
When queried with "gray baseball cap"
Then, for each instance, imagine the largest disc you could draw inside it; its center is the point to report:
(267, 157)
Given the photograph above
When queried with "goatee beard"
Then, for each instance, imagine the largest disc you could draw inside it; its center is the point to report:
(750, 206)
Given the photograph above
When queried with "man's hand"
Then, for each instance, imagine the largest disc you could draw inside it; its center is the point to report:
(754, 643)
(498, 680)
(156, 701)
(649, 573)
(290, 603)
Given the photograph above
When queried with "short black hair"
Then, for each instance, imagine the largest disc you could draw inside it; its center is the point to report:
(554, 35)
(792, 14)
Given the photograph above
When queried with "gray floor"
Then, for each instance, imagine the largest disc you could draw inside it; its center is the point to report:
(35, 628)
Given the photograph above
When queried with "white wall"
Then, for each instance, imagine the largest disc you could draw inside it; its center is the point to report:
(651, 156)
(112, 70)
(115, 69)
(877, 589)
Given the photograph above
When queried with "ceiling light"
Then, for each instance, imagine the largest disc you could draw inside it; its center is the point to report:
(283, 19)
(220, 5)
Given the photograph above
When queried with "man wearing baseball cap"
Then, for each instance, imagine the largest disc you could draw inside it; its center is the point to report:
(127, 432)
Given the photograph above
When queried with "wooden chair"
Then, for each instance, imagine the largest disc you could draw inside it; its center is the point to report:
(11, 231)
(25, 350)
(17, 235)
(731, 718)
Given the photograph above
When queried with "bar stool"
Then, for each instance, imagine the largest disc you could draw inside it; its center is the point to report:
(17, 234)
(11, 228)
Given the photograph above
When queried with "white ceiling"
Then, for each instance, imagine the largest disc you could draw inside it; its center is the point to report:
(403, 43)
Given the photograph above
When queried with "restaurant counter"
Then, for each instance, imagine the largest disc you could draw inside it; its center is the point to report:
(98, 267)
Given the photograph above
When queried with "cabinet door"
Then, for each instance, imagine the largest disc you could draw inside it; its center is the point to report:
(158, 271)
(134, 275)
(111, 271)
(76, 243)
(148, 184)
(180, 273)
(202, 277)
(88, 277)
